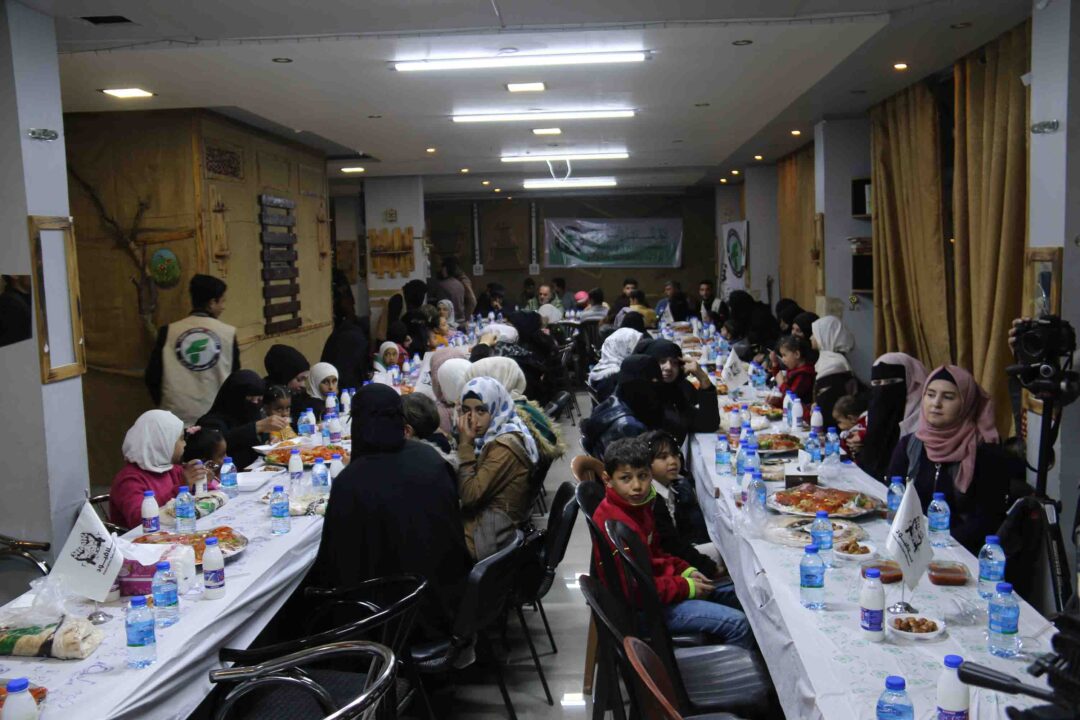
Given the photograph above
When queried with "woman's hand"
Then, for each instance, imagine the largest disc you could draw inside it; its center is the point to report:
(271, 424)
(466, 429)
(194, 473)
(692, 368)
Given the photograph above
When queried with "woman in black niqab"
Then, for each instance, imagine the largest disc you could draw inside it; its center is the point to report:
(236, 415)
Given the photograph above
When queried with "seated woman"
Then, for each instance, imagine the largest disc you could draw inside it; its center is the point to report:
(686, 409)
(422, 423)
(618, 346)
(394, 510)
(536, 352)
(447, 378)
(237, 413)
(955, 451)
(322, 380)
(803, 325)
(632, 409)
(896, 390)
(497, 455)
(833, 376)
(153, 449)
(786, 310)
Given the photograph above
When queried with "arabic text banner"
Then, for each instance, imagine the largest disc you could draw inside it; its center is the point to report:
(651, 242)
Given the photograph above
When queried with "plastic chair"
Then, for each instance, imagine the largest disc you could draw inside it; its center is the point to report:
(19, 566)
(613, 624)
(708, 678)
(586, 468)
(529, 578)
(552, 550)
(100, 503)
(311, 698)
(653, 687)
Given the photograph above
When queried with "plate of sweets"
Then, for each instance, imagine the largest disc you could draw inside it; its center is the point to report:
(915, 627)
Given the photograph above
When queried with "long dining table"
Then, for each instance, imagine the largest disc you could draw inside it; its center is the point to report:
(820, 664)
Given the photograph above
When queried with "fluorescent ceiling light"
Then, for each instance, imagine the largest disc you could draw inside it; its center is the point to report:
(510, 61)
(563, 157)
(430, 150)
(464, 170)
(352, 170)
(547, 131)
(485, 182)
(126, 93)
(526, 87)
(581, 182)
(546, 115)
(758, 157)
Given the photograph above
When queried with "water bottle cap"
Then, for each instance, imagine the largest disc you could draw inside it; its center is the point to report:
(318, 461)
(813, 434)
(1004, 588)
(17, 685)
(745, 406)
(896, 479)
(211, 541)
(148, 493)
(278, 488)
(138, 601)
(895, 682)
(227, 459)
(953, 661)
(295, 451)
(993, 540)
(335, 456)
(815, 406)
(311, 409)
(873, 573)
(163, 565)
(811, 549)
(832, 428)
(822, 514)
(939, 496)
(184, 489)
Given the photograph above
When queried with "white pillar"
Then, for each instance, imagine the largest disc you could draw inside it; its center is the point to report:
(43, 437)
(763, 228)
(390, 203)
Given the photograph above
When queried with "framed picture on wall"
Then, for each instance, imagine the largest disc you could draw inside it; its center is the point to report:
(1042, 281)
(56, 298)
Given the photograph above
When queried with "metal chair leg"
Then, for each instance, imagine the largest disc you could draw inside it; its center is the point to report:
(535, 657)
(502, 683)
(543, 616)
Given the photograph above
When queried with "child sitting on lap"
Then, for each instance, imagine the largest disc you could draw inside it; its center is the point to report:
(850, 413)
(692, 602)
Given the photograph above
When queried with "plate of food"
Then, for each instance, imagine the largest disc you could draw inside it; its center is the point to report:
(807, 499)
(284, 444)
(721, 388)
(773, 414)
(280, 456)
(230, 541)
(948, 572)
(777, 443)
(915, 627)
(795, 532)
(889, 569)
(854, 550)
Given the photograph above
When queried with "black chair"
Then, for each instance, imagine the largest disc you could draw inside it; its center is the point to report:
(558, 404)
(100, 503)
(19, 566)
(613, 624)
(481, 611)
(300, 695)
(381, 609)
(556, 537)
(530, 572)
(653, 686)
(709, 678)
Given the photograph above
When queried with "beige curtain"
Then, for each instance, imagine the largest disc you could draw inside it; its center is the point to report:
(990, 206)
(910, 304)
(795, 208)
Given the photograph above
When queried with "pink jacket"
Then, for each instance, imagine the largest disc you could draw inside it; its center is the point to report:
(126, 494)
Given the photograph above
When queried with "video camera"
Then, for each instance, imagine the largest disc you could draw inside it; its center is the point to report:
(1043, 350)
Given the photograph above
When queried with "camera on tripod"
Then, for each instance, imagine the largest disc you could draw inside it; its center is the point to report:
(1043, 350)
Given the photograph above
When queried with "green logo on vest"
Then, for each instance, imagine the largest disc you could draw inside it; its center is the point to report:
(198, 349)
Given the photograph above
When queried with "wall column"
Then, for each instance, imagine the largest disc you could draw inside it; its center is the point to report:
(763, 228)
(385, 198)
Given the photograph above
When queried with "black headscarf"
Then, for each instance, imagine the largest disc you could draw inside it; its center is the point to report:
(679, 306)
(378, 420)
(885, 413)
(783, 304)
(639, 387)
(231, 403)
(740, 304)
(634, 321)
(763, 330)
(659, 349)
(530, 337)
(283, 363)
(397, 332)
(805, 321)
(787, 315)
(414, 292)
(674, 400)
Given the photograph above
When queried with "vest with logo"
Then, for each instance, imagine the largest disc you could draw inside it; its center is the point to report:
(196, 359)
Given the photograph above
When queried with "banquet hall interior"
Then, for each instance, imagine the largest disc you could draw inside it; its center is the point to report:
(496, 358)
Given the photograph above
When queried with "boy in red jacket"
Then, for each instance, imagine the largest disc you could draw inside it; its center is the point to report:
(692, 602)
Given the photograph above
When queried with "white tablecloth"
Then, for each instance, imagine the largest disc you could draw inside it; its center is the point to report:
(258, 581)
(820, 664)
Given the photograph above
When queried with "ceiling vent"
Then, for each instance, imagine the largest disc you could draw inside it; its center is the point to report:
(106, 20)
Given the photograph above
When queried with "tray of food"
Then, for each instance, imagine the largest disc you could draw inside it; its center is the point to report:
(283, 445)
(795, 532)
(889, 569)
(916, 627)
(777, 443)
(773, 414)
(281, 456)
(230, 541)
(948, 572)
(807, 499)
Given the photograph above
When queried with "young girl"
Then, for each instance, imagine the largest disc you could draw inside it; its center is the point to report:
(798, 374)
(851, 417)
(389, 354)
(321, 382)
(207, 445)
(278, 402)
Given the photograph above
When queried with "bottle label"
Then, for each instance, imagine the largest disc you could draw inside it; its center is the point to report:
(761, 497)
(952, 714)
(166, 597)
(279, 509)
(141, 634)
(185, 511)
(823, 538)
(991, 570)
(894, 501)
(812, 577)
(151, 524)
(228, 480)
(214, 579)
(1004, 619)
(296, 476)
(939, 522)
(872, 620)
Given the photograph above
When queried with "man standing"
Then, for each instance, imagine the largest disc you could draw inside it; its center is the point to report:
(710, 304)
(453, 285)
(193, 356)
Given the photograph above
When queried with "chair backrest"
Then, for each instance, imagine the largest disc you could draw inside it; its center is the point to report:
(100, 503)
(487, 588)
(613, 621)
(558, 405)
(591, 330)
(586, 468)
(561, 516)
(651, 682)
(637, 566)
(589, 496)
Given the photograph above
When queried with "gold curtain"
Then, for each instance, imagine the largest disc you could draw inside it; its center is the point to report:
(910, 304)
(990, 206)
(795, 208)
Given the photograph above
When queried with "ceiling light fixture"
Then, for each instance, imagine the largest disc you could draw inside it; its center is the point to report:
(758, 157)
(429, 150)
(498, 189)
(742, 43)
(485, 183)
(282, 60)
(547, 131)
(734, 172)
(507, 61)
(900, 66)
(464, 170)
(564, 157)
(723, 180)
(127, 93)
(352, 170)
(546, 115)
(701, 104)
(796, 133)
(526, 87)
(579, 182)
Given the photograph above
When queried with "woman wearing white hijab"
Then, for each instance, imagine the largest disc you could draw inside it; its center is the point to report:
(446, 309)
(550, 313)
(152, 448)
(447, 380)
(510, 376)
(388, 355)
(322, 380)
(833, 375)
(619, 346)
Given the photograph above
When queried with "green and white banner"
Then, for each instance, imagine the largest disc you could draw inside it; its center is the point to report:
(600, 242)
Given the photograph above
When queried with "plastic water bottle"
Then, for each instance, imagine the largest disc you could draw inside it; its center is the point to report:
(346, 400)
(788, 396)
(201, 486)
(821, 532)
(151, 513)
(280, 522)
(335, 466)
(331, 404)
(305, 424)
(832, 445)
(334, 426)
(324, 433)
(872, 606)
(723, 456)
(228, 478)
(817, 420)
(1004, 639)
(185, 511)
(742, 487)
(751, 463)
(164, 589)
(734, 427)
(296, 469)
(320, 477)
(896, 494)
(755, 491)
(991, 567)
(213, 568)
(796, 412)
(894, 703)
(939, 517)
(813, 447)
(19, 703)
(812, 579)
(953, 696)
(395, 374)
(744, 415)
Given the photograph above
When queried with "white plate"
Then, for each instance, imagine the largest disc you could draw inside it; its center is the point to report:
(252, 481)
(294, 442)
(865, 556)
(890, 619)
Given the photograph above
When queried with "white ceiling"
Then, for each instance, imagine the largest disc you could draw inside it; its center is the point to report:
(219, 54)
